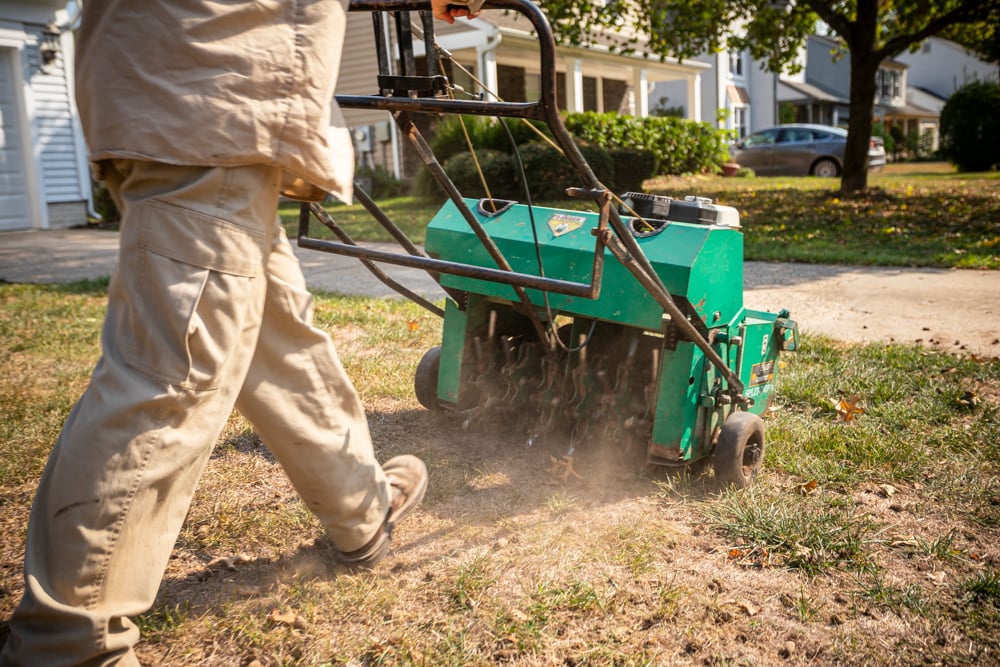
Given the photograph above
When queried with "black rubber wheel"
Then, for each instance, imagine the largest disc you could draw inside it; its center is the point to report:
(826, 168)
(739, 452)
(425, 380)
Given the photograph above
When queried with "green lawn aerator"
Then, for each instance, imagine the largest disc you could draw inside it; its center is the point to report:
(622, 326)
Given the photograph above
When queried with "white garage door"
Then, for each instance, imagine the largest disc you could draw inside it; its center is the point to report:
(13, 186)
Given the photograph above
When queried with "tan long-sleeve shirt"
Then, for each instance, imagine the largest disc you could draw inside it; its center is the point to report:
(218, 83)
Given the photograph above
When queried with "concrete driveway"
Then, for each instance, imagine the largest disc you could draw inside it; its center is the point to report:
(955, 310)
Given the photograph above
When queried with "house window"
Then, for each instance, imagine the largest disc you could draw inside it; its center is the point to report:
(511, 83)
(615, 95)
(590, 94)
(889, 83)
(736, 63)
(740, 120)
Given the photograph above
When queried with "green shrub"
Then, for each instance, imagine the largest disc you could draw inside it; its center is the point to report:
(550, 173)
(970, 127)
(680, 146)
(104, 205)
(497, 169)
(632, 167)
(449, 137)
(622, 151)
(380, 181)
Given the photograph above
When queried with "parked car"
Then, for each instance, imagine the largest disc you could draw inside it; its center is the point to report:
(800, 150)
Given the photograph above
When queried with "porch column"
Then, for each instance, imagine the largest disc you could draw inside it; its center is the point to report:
(640, 86)
(693, 111)
(574, 86)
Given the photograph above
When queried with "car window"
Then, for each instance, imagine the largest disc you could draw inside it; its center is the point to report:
(761, 138)
(795, 134)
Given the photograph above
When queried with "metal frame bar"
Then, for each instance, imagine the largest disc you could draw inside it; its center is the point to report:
(613, 233)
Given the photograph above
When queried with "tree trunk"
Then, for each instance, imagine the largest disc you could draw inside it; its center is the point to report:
(859, 126)
(864, 64)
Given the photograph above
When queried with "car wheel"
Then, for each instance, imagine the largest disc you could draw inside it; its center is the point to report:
(826, 168)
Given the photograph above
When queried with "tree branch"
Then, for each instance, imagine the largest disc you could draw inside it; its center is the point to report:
(966, 12)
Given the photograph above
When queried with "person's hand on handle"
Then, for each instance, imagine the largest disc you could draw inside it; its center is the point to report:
(449, 10)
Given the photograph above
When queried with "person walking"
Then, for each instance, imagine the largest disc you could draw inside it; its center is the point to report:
(198, 115)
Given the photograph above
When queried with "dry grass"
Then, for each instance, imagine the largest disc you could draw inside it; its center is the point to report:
(882, 564)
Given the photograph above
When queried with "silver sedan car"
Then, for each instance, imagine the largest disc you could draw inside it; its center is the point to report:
(800, 150)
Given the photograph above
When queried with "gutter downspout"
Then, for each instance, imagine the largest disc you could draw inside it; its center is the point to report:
(486, 56)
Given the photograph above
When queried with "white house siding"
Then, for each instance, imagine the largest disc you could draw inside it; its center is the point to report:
(14, 201)
(55, 143)
(53, 181)
(941, 67)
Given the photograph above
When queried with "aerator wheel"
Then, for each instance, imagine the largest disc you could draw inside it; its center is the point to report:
(739, 452)
(425, 380)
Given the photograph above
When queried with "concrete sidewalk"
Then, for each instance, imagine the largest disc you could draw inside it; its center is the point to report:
(955, 310)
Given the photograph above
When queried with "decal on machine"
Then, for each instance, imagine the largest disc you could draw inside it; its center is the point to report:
(762, 373)
(562, 223)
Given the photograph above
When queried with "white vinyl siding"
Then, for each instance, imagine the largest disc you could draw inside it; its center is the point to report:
(56, 143)
(14, 202)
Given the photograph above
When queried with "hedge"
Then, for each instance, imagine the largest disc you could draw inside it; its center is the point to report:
(622, 151)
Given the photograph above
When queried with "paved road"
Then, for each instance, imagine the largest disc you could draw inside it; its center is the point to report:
(957, 310)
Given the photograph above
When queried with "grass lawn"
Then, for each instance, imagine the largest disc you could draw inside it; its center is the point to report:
(920, 214)
(869, 541)
(873, 540)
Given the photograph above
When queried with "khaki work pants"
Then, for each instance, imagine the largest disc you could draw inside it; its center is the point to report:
(208, 310)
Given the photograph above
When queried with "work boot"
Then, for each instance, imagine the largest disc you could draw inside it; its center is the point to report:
(408, 478)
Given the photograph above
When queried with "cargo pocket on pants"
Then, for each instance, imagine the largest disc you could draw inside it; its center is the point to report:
(190, 291)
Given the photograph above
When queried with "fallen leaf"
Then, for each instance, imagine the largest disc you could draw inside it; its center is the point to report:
(937, 577)
(746, 607)
(968, 399)
(288, 618)
(228, 562)
(886, 490)
(806, 488)
(802, 552)
(848, 408)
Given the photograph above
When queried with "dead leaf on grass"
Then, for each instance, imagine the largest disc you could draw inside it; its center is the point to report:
(968, 400)
(937, 577)
(228, 562)
(848, 408)
(745, 607)
(806, 488)
(560, 471)
(886, 490)
(287, 618)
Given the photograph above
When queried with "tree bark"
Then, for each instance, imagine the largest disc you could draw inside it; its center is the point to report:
(859, 126)
(864, 63)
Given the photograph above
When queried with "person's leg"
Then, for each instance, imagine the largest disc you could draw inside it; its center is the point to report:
(184, 309)
(307, 412)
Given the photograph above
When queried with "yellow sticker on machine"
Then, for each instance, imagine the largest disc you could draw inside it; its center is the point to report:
(761, 373)
(563, 223)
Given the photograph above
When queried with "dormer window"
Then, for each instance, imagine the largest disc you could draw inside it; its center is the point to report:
(736, 63)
